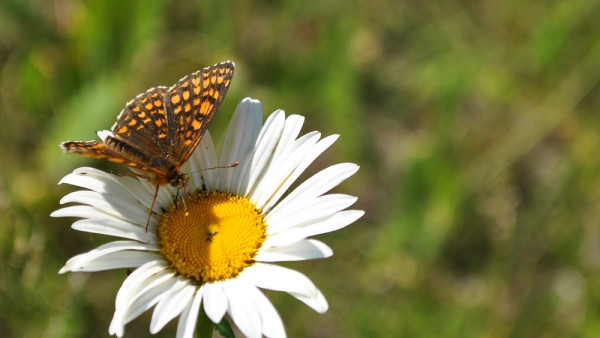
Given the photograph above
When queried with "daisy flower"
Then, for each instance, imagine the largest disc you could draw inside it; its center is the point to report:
(215, 250)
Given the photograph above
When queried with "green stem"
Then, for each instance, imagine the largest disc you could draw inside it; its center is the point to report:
(205, 326)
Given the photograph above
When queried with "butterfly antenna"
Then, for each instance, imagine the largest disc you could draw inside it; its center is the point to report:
(230, 165)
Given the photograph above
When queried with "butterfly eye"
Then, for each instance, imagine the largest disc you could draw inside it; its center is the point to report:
(179, 181)
(176, 182)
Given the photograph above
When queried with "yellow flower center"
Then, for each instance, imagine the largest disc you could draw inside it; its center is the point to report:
(215, 239)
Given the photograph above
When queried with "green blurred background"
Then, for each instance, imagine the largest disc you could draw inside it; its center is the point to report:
(475, 123)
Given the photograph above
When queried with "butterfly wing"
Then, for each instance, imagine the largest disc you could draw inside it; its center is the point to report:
(158, 130)
(191, 104)
(116, 151)
(139, 138)
(143, 124)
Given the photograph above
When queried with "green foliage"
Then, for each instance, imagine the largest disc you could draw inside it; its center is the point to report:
(224, 329)
(475, 125)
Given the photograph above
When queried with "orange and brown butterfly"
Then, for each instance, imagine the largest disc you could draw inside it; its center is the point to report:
(157, 131)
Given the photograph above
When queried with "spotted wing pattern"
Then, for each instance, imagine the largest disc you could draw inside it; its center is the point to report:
(143, 123)
(158, 130)
(113, 153)
(192, 103)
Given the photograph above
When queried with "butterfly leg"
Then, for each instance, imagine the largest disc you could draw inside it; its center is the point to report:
(152, 207)
(183, 198)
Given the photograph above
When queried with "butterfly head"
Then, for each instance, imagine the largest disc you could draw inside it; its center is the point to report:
(179, 180)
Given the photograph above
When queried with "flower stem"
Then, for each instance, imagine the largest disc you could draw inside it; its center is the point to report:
(205, 326)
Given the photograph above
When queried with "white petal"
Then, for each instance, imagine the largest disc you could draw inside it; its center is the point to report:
(82, 211)
(278, 278)
(140, 189)
(171, 305)
(148, 299)
(293, 125)
(239, 142)
(85, 211)
(265, 145)
(144, 192)
(283, 238)
(215, 301)
(140, 305)
(203, 157)
(142, 279)
(142, 299)
(281, 160)
(315, 151)
(279, 170)
(317, 302)
(103, 134)
(272, 326)
(115, 260)
(102, 182)
(188, 319)
(319, 184)
(333, 223)
(242, 309)
(117, 205)
(114, 227)
(118, 254)
(92, 179)
(307, 211)
(299, 251)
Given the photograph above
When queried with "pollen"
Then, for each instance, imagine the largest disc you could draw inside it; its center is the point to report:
(214, 237)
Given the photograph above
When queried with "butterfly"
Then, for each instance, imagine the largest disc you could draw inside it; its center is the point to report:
(157, 131)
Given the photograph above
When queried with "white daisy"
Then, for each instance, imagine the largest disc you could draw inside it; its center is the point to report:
(218, 249)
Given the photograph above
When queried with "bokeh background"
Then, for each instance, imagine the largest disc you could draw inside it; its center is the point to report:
(475, 123)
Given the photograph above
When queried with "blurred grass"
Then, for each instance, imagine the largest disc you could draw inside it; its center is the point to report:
(475, 125)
